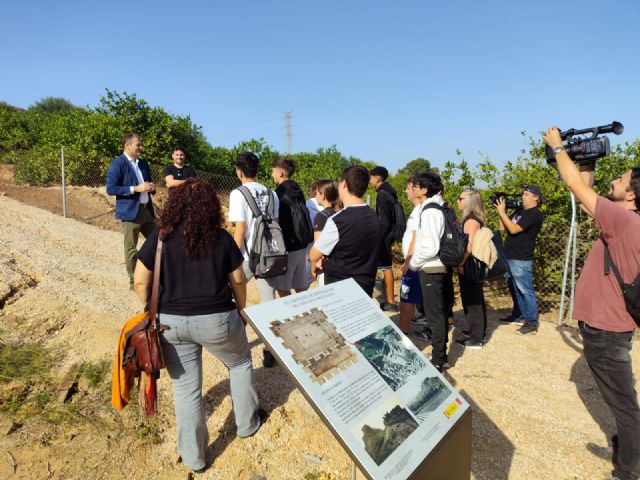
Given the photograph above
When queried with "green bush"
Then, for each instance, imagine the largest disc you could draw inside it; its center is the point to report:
(37, 166)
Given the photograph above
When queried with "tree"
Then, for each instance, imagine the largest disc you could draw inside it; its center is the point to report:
(52, 105)
(414, 167)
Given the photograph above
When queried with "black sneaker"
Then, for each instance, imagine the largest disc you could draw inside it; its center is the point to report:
(268, 361)
(443, 367)
(528, 329)
(466, 343)
(511, 320)
(389, 307)
(423, 335)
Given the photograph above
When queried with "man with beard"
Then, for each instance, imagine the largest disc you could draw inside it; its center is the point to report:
(606, 326)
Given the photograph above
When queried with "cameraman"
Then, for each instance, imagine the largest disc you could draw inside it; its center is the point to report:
(605, 325)
(522, 230)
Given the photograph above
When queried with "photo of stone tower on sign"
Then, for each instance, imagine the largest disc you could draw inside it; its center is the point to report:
(316, 344)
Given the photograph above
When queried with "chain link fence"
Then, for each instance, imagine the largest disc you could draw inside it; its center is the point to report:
(76, 178)
(28, 181)
(549, 268)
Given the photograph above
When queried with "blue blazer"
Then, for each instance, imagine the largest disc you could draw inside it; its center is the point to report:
(120, 178)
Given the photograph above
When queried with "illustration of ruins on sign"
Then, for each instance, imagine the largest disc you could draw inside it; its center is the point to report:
(316, 344)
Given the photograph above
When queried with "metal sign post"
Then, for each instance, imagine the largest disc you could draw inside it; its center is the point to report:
(64, 186)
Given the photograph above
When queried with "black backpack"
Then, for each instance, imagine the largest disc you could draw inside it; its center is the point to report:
(299, 233)
(399, 222)
(453, 243)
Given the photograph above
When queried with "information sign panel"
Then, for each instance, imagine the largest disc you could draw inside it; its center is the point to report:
(384, 401)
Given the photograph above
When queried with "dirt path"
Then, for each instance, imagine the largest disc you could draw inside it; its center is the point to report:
(537, 413)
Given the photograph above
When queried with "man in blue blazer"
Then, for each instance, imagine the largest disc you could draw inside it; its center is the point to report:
(129, 179)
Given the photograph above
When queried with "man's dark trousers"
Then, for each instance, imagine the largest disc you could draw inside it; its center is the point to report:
(609, 357)
(433, 290)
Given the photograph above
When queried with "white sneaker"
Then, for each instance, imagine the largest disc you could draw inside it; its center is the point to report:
(421, 320)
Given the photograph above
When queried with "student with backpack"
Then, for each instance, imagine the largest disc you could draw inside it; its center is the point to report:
(389, 214)
(295, 223)
(432, 245)
(249, 222)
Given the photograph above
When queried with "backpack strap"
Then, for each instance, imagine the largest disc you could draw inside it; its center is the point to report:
(609, 265)
(432, 205)
(429, 205)
(246, 193)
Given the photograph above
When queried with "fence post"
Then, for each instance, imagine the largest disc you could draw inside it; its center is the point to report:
(64, 186)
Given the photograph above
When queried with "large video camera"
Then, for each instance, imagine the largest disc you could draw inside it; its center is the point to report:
(586, 150)
(511, 200)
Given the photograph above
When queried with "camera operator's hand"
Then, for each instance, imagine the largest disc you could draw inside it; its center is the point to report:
(579, 182)
(501, 206)
(552, 137)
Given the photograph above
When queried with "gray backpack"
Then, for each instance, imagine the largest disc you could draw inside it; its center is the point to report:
(268, 254)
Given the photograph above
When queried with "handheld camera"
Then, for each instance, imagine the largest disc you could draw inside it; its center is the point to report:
(586, 150)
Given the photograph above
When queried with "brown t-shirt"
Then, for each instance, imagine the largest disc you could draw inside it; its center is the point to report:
(599, 301)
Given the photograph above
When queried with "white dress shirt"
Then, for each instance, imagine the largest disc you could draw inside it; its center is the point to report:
(144, 196)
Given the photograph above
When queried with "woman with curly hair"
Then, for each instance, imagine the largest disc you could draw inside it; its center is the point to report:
(200, 278)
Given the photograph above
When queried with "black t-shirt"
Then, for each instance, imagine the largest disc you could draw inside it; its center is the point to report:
(193, 287)
(321, 218)
(179, 173)
(520, 246)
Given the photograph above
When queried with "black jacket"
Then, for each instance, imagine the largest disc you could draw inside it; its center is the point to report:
(385, 201)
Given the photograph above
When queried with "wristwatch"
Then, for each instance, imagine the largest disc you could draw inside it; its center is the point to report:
(557, 150)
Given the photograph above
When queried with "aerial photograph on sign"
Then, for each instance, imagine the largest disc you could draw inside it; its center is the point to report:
(316, 344)
(392, 359)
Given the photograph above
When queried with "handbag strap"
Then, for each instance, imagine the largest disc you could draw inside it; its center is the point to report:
(153, 308)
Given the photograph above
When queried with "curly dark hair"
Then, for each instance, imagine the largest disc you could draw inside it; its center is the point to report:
(195, 207)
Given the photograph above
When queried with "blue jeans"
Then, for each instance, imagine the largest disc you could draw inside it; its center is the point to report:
(520, 281)
(608, 355)
(223, 335)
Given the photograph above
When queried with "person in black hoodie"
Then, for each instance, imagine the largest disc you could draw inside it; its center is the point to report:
(385, 203)
(295, 222)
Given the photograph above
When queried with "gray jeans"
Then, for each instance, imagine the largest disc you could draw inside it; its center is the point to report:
(223, 335)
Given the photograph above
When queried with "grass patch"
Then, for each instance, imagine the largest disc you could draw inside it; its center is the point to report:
(94, 372)
(150, 431)
(24, 362)
(30, 379)
(25, 372)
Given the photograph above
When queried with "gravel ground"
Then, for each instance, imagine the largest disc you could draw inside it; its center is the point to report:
(536, 411)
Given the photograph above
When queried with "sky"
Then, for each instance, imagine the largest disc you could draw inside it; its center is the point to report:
(385, 82)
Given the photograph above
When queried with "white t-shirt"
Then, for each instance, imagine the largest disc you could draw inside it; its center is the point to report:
(412, 226)
(314, 208)
(239, 210)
